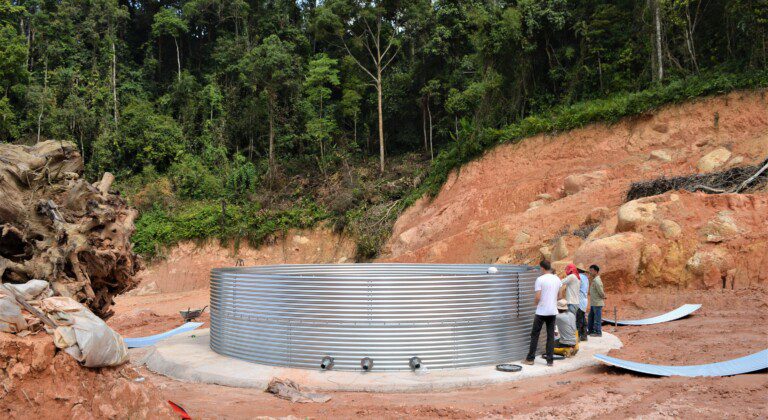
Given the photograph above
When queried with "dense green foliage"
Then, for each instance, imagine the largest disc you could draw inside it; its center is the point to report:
(158, 227)
(276, 104)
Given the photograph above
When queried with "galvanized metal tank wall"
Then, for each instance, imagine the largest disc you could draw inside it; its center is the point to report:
(450, 316)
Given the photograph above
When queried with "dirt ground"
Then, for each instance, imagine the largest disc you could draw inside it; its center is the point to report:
(722, 329)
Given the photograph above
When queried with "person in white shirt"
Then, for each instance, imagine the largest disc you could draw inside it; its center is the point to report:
(547, 288)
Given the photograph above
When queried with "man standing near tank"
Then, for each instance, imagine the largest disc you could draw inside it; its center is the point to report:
(596, 301)
(581, 313)
(547, 288)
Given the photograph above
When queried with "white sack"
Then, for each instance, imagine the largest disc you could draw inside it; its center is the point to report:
(11, 319)
(88, 339)
(32, 290)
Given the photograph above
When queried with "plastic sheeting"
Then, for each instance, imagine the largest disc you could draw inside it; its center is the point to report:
(151, 340)
(11, 319)
(83, 335)
(746, 364)
(678, 313)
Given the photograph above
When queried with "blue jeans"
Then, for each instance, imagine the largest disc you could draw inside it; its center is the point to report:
(595, 321)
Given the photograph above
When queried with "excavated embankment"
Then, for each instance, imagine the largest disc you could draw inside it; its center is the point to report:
(562, 197)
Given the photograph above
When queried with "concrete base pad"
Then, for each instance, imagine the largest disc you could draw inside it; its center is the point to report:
(188, 357)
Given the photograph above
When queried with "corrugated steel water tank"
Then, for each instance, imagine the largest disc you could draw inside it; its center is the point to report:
(449, 316)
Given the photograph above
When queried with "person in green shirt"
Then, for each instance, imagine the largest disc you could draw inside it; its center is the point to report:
(596, 301)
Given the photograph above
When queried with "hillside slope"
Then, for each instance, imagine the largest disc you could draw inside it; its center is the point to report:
(523, 201)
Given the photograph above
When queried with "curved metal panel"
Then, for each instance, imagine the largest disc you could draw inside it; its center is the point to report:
(151, 340)
(746, 364)
(450, 316)
(678, 313)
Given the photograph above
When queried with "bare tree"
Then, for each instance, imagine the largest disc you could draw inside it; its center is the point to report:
(381, 54)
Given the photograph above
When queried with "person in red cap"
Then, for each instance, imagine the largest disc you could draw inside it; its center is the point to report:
(570, 288)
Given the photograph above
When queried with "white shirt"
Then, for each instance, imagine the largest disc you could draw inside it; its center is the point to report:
(549, 286)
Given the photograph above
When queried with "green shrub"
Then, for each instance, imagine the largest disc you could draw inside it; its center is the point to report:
(193, 180)
(241, 179)
(159, 227)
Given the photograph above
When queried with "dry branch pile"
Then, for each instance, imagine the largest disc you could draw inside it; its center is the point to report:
(716, 182)
(56, 226)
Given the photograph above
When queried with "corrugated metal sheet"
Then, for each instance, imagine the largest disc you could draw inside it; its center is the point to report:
(151, 340)
(678, 313)
(746, 364)
(451, 316)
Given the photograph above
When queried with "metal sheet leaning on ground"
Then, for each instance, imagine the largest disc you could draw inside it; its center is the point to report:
(746, 364)
(151, 340)
(678, 313)
(450, 316)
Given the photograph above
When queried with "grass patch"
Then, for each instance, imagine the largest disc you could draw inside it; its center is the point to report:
(158, 227)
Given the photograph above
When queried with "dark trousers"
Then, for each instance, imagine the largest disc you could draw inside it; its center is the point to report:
(538, 321)
(581, 324)
(595, 321)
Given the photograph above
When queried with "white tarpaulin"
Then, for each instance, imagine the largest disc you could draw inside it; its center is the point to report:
(32, 290)
(83, 335)
(11, 319)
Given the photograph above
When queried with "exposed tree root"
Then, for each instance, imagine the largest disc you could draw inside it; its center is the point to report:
(734, 180)
(56, 226)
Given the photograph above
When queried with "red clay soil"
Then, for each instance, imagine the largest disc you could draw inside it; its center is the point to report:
(481, 211)
(39, 382)
(187, 265)
(724, 328)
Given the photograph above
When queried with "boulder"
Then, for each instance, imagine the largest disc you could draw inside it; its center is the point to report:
(634, 214)
(560, 250)
(546, 253)
(522, 238)
(670, 229)
(618, 257)
(710, 266)
(578, 182)
(713, 159)
(661, 155)
(721, 228)
(736, 161)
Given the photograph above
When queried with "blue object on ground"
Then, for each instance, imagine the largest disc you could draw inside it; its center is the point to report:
(153, 339)
(746, 364)
(678, 313)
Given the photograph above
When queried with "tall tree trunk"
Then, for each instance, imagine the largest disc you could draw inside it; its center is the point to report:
(322, 148)
(114, 81)
(424, 123)
(178, 58)
(381, 121)
(689, 42)
(42, 106)
(270, 111)
(657, 20)
(456, 126)
(429, 114)
(354, 127)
